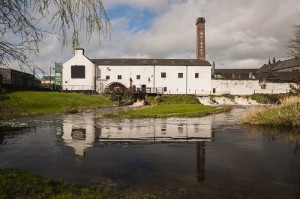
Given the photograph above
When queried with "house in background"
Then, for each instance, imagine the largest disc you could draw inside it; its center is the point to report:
(280, 71)
(17, 80)
(236, 74)
(47, 79)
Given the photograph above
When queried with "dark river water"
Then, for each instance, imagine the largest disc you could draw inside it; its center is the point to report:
(208, 157)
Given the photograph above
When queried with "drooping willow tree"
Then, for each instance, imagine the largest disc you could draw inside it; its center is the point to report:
(23, 24)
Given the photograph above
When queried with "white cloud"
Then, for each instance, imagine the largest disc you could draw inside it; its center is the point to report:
(239, 33)
(154, 5)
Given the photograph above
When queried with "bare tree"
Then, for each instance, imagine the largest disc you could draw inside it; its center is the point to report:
(22, 25)
(293, 45)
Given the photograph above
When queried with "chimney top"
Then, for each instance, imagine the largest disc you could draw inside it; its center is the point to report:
(79, 50)
(200, 20)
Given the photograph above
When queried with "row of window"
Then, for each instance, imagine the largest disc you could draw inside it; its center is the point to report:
(79, 72)
(162, 75)
(180, 75)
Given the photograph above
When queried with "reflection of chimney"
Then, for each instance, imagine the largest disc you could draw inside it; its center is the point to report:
(200, 38)
(201, 161)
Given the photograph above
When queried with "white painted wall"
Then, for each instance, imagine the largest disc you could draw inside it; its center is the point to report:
(151, 77)
(86, 83)
(247, 87)
(127, 72)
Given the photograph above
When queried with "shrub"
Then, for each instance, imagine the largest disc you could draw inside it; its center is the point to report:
(157, 99)
(268, 98)
(286, 114)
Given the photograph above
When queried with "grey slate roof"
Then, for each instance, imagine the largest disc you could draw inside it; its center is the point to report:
(265, 68)
(279, 65)
(236, 71)
(290, 63)
(272, 71)
(150, 62)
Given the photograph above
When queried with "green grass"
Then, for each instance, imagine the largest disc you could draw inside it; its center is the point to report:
(20, 184)
(37, 103)
(166, 110)
(268, 98)
(281, 116)
(169, 106)
(175, 99)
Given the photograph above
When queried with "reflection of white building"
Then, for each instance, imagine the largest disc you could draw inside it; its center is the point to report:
(78, 133)
(157, 130)
(81, 131)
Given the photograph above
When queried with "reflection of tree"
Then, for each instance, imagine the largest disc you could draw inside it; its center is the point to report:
(297, 148)
(1, 138)
(276, 133)
(200, 161)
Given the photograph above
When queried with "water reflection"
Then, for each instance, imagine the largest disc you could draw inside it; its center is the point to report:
(288, 135)
(81, 131)
(211, 157)
(200, 161)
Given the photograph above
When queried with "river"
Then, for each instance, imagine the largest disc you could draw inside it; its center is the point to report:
(208, 157)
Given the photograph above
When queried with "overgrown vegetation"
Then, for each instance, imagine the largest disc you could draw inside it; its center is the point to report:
(285, 114)
(168, 106)
(20, 184)
(295, 90)
(268, 98)
(229, 96)
(36, 103)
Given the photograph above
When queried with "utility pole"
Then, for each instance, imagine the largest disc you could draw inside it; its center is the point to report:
(50, 78)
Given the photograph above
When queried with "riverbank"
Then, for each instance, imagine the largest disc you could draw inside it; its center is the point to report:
(168, 106)
(30, 103)
(16, 183)
(285, 114)
(166, 111)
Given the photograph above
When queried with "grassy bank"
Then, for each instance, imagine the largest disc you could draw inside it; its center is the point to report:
(36, 103)
(19, 184)
(285, 114)
(165, 111)
(168, 106)
(268, 98)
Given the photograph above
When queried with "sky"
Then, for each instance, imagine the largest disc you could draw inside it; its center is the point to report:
(239, 33)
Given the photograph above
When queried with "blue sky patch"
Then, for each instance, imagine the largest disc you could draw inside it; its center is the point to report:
(139, 19)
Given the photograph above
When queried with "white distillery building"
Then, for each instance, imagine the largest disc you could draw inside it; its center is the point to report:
(165, 76)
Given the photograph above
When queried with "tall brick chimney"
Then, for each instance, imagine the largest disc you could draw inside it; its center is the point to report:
(200, 38)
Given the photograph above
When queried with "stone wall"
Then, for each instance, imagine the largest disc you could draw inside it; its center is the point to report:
(247, 87)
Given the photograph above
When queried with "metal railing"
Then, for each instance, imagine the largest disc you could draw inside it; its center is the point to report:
(261, 91)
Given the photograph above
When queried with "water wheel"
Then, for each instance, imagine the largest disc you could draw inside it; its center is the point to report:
(115, 87)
